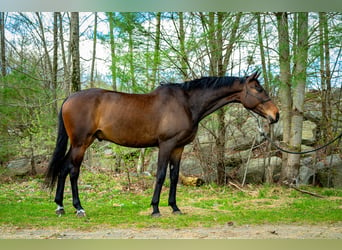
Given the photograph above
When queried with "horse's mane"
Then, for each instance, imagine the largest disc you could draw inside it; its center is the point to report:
(211, 82)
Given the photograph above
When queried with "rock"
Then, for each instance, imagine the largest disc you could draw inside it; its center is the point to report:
(309, 133)
(242, 137)
(239, 156)
(306, 171)
(305, 148)
(329, 171)
(191, 166)
(256, 169)
(19, 167)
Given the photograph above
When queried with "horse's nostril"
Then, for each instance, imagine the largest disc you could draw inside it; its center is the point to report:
(274, 120)
(277, 117)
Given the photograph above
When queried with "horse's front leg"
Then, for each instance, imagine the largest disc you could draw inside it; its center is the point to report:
(174, 175)
(163, 160)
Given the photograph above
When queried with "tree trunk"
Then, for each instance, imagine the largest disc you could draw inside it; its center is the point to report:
(156, 56)
(55, 62)
(218, 67)
(300, 62)
(130, 29)
(326, 131)
(285, 87)
(112, 49)
(49, 75)
(262, 53)
(183, 54)
(267, 162)
(66, 75)
(75, 52)
(94, 52)
(2, 44)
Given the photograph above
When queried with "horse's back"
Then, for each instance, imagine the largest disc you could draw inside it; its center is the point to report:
(135, 120)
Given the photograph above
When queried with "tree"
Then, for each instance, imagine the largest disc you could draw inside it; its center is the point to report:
(2, 44)
(55, 62)
(75, 52)
(112, 49)
(94, 52)
(299, 82)
(326, 121)
(156, 55)
(183, 53)
(285, 77)
(219, 62)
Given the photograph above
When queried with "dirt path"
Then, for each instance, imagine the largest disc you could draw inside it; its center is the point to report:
(225, 232)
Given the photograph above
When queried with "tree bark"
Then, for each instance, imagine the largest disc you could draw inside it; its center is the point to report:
(49, 78)
(262, 53)
(55, 62)
(66, 75)
(75, 52)
(183, 53)
(156, 55)
(2, 44)
(94, 52)
(285, 87)
(112, 49)
(325, 124)
(300, 62)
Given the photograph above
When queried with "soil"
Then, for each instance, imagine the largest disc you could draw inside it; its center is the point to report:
(228, 231)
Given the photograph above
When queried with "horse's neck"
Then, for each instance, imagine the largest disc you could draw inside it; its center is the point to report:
(204, 102)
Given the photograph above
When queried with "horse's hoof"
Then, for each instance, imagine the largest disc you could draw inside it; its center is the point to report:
(60, 211)
(80, 213)
(178, 212)
(156, 215)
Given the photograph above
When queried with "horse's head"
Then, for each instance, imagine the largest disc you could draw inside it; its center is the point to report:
(255, 98)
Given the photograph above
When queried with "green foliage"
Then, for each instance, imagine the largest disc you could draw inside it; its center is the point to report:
(109, 203)
(27, 119)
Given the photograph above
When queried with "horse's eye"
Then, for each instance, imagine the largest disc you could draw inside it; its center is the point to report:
(259, 88)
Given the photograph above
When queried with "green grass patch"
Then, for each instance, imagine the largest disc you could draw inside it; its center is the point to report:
(113, 201)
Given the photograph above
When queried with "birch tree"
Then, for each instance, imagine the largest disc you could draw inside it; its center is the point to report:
(92, 68)
(299, 83)
(112, 49)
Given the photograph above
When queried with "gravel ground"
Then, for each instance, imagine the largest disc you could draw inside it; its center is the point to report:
(333, 231)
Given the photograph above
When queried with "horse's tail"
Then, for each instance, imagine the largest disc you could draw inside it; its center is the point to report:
(57, 160)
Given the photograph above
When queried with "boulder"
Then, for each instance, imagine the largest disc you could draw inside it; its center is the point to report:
(309, 133)
(19, 167)
(242, 137)
(256, 169)
(329, 171)
(306, 171)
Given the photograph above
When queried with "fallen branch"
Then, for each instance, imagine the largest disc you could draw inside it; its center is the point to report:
(305, 192)
(236, 186)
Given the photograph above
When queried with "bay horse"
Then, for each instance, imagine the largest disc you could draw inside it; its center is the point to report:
(167, 118)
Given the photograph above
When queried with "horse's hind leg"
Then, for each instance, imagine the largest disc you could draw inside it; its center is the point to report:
(77, 154)
(61, 184)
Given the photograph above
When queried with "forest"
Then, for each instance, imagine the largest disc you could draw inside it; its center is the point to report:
(46, 56)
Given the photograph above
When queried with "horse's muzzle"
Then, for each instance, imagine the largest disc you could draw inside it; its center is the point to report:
(273, 119)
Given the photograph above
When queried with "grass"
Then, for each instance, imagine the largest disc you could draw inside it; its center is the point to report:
(109, 203)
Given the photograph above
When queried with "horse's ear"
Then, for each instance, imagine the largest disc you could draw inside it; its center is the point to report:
(253, 76)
